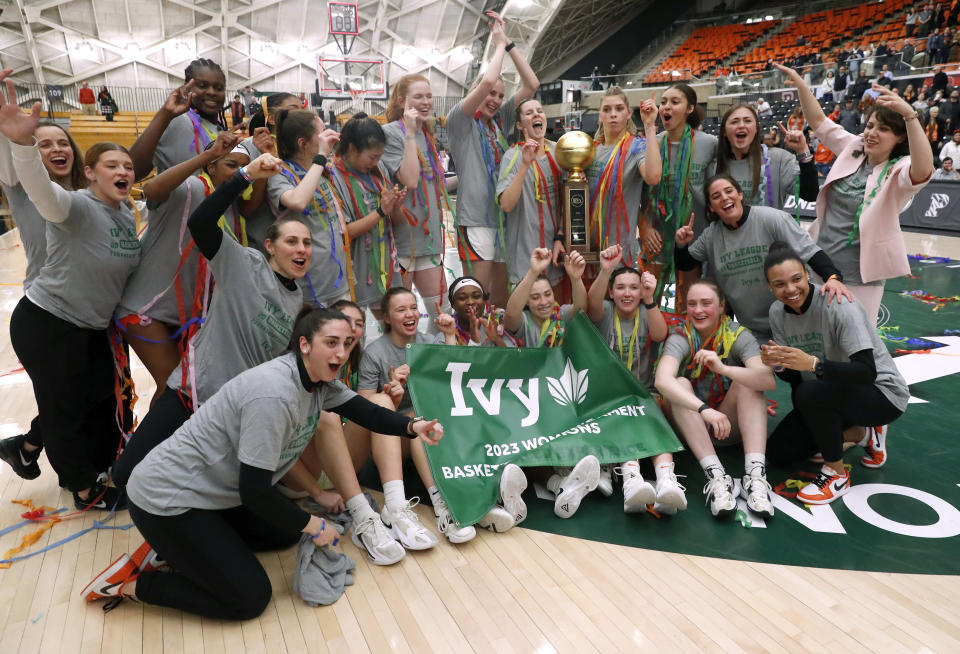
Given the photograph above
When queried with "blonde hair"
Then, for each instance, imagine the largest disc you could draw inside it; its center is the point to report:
(399, 95)
(617, 91)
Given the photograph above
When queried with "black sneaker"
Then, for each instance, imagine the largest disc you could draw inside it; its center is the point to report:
(25, 465)
(102, 498)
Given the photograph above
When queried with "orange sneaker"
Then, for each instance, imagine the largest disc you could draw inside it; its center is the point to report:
(111, 581)
(826, 487)
(875, 449)
(146, 559)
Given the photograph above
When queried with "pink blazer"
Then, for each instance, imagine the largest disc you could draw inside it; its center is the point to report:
(883, 253)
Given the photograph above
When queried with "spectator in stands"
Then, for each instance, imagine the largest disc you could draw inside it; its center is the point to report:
(951, 148)
(938, 17)
(885, 76)
(801, 41)
(237, 111)
(924, 20)
(910, 23)
(950, 111)
(934, 129)
(826, 87)
(951, 47)
(906, 57)
(859, 86)
(795, 121)
(107, 104)
(835, 114)
(934, 43)
(612, 76)
(770, 138)
(940, 80)
(909, 94)
(249, 96)
(840, 82)
(595, 79)
(823, 158)
(763, 108)
(946, 171)
(882, 49)
(849, 117)
(88, 101)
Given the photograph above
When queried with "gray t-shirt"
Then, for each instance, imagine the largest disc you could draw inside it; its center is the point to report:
(90, 255)
(736, 260)
(374, 253)
(607, 326)
(250, 319)
(181, 142)
(779, 172)
(530, 332)
(632, 188)
(702, 166)
(843, 198)
(833, 332)
(163, 242)
(263, 216)
(263, 418)
(744, 348)
(476, 197)
(426, 237)
(33, 229)
(327, 277)
(523, 224)
(380, 356)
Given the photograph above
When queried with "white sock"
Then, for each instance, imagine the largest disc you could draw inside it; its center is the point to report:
(359, 508)
(430, 303)
(434, 494)
(393, 494)
(634, 467)
(553, 484)
(663, 470)
(751, 460)
(710, 461)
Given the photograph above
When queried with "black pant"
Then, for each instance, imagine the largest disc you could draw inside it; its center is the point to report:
(34, 436)
(215, 572)
(164, 418)
(73, 378)
(821, 411)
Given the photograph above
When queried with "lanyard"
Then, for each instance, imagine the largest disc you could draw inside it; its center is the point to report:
(202, 135)
(868, 200)
(356, 185)
(633, 338)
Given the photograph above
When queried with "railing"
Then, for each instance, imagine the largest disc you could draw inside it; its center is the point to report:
(637, 80)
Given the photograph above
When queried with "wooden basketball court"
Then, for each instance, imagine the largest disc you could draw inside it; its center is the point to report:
(523, 591)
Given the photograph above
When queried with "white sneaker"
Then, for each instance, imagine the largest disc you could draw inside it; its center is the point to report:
(605, 486)
(755, 489)
(637, 492)
(664, 509)
(574, 487)
(447, 526)
(512, 484)
(719, 492)
(498, 519)
(372, 537)
(406, 527)
(670, 494)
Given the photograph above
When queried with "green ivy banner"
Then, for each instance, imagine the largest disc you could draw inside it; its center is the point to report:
(531, 407)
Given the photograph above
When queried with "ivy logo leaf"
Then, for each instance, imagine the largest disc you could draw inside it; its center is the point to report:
(571, 388)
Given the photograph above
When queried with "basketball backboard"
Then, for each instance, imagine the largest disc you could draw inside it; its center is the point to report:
(342, 78)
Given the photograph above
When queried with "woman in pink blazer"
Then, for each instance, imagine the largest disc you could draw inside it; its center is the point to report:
(873, 178)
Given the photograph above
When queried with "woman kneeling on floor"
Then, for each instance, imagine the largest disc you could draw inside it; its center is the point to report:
(841, 375)
(205, 498)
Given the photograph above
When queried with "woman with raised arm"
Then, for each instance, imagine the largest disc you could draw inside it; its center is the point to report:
(64, 163)
(712, 380)
(768, 176)
(477, 143)
(187, 122)
(369, 202)
(59, 328)
(840, 373)
(206, 500)
(410, 158)
(304, 189)
(630, 331)
(249, 318)
(734, 244)
(621, 164)
(164, 293)
(873, 178)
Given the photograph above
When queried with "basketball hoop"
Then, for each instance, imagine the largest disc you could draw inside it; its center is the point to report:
(356, 100)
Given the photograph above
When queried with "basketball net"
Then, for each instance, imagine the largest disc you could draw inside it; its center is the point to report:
(356, 100)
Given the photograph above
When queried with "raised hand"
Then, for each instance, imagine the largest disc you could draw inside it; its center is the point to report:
(648, 286)
(539, 260)
(411, 118)
(575, 265)
(498, 33)
(328, 139)
(793, 139)
(226, 141)
(529, 151)
(14, 124)
(558, 252)
(264, 166)
(684, 235)
(264, 141)
(891, 100)
(610, 258)
(793, 77)
(444, 321)
(178, 102)
(649, 112)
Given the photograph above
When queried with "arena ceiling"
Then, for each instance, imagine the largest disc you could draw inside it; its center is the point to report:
(275, 43)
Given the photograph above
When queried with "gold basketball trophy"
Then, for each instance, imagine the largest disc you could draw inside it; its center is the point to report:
(574, 153)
